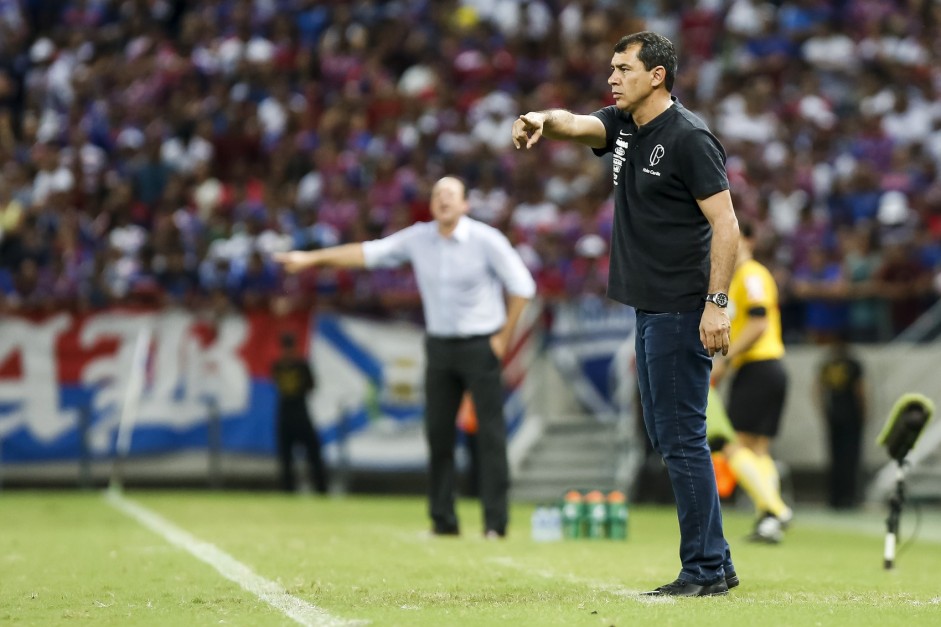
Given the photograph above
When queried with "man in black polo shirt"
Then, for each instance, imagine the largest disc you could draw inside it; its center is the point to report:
(672, 256)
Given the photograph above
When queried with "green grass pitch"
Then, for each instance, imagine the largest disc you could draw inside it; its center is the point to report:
(71, 558)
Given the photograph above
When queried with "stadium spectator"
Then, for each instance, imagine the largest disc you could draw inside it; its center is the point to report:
(822, 285)
(666, 163)
(143, 108)
(903, 280)
(867, 315)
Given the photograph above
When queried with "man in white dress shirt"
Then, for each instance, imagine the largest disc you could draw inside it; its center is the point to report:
(463, 267)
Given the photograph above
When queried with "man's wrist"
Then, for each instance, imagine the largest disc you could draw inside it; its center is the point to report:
(719, 299)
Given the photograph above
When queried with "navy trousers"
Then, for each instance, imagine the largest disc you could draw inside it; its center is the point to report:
(673, 371)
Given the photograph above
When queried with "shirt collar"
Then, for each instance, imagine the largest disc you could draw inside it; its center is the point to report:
(661, 118)
(462, 230)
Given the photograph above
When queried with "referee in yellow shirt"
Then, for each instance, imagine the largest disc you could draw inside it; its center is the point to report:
(758, 387)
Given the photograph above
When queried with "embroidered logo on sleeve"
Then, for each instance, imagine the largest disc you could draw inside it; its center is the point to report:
(620, 153)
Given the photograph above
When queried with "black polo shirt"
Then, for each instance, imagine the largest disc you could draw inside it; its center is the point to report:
(661, 239)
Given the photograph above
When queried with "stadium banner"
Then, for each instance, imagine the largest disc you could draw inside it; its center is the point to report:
(591, 342)
(63, 379)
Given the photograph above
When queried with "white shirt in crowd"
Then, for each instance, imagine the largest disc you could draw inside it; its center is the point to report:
(488, 206)
(531, 216)
(461, 277)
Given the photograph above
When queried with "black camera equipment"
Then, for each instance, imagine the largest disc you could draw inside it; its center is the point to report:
(905, 424)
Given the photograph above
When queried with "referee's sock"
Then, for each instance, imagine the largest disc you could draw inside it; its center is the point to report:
(770, 471)
(747, 469)
(768, 468)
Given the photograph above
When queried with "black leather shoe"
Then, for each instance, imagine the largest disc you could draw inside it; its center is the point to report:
(683, 588)
(445, 530)
(731, 579)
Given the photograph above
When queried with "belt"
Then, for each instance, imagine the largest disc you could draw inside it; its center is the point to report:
(459, 338)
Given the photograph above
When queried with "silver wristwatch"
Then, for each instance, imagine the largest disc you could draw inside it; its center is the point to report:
(718, 299)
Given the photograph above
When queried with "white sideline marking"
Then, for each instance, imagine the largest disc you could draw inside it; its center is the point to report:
(268, 591)
(508, 562)
(601, 586)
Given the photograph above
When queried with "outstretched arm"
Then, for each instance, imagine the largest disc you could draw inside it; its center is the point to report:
(558, 124)
(345, 255)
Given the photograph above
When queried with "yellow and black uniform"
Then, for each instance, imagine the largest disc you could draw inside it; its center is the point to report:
(753, 292)
(293, 381)
(759, 388)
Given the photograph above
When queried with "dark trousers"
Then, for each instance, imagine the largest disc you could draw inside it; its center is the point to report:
(295, 428)
(673, 372)
(845, 441)
(453, 367)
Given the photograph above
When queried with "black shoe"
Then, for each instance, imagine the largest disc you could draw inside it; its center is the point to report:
(683, 588)
(445, 530)
(731, 579)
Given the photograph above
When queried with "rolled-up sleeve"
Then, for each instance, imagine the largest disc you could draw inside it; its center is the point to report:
(389, 252)
(509, 266)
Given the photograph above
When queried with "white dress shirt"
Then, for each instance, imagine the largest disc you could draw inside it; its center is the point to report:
(460, 277)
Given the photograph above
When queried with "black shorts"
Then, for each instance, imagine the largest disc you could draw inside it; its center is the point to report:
(757, 397)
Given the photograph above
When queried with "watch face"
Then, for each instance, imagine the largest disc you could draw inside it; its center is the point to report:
(720, 299)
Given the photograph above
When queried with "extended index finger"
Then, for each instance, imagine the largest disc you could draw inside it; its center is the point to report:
(534, 138)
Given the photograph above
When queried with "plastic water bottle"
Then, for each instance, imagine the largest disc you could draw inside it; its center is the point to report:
(597, 515)
(546, 523)
(554, 523)
(617, 515)
(538, 524)
(573, 516)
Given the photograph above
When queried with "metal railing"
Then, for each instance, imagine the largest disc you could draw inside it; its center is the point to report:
(927, 328)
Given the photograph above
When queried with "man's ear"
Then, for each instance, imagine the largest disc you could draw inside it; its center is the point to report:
(658, 76)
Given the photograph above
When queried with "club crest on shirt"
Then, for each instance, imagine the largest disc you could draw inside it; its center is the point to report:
(655, 156)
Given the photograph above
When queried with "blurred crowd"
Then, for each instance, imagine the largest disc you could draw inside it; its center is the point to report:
(158, 151)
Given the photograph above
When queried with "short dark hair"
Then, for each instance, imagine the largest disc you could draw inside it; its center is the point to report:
(655, 49)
